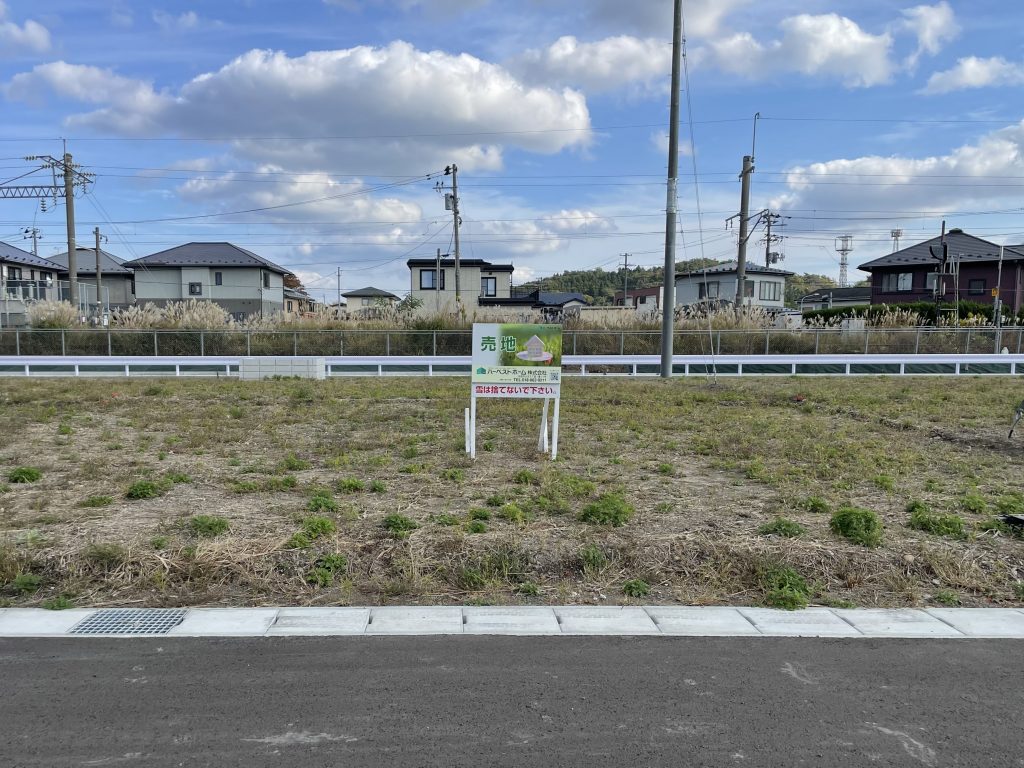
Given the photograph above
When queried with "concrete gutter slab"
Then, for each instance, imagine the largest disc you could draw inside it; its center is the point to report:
(228, 622)
(320, 621)
(701, 622)
(510, 621)
(425, 620)
(875, 622)
(37, 622)
(586, 620)
(810, 622)
(982, 622)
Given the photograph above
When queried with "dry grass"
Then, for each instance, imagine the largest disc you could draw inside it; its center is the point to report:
(703, 465)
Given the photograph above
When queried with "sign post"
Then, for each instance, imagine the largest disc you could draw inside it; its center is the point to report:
(517, 361)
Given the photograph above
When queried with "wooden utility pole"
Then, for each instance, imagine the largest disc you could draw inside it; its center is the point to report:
(453, 171)
(741, 253)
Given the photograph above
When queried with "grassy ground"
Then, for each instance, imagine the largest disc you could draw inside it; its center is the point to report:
(210, 492)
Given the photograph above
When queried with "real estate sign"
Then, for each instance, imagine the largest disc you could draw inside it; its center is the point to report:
(513, 361)
(516, 360)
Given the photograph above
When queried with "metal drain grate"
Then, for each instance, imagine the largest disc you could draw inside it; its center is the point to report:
(130, 621)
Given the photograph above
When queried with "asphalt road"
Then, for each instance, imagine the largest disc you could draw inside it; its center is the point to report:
(499, 701)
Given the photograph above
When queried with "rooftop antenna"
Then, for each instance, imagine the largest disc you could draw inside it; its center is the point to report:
(844, 245)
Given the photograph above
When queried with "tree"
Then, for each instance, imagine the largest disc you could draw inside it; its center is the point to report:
(291, 281)
(799, 286)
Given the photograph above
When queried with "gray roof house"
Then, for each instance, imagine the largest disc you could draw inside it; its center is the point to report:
(765, 287)
(912, 274)
(369, 297)
(25, 278)
(118, 280)
(235, 278)
(834, 298)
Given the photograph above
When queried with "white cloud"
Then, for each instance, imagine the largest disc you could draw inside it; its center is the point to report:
(171, 23)
(654, 17)
(436, 7)
(974, 72)
(828, 45)
(599, 66)
(121, 16)
(423, 110)
(933, 25)
(31, 35)
(968, 175)
(578, 221)
(660, 141)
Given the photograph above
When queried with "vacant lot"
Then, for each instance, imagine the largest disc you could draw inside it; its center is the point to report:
(209, 492)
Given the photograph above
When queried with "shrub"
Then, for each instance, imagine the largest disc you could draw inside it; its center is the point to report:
(285, 483)
(96, 501)
(377, 486)
(399, 525)
(469, 578)
(476, 526)
(351, 485)
(24, 475)
(592, 558)
(666, 469)
(106, 556)
(177, 478)
(245, 486)
(454, 475)
(947, 597)
(884, 482)
(528, 589)
(861, 526)
(158, 542)
(144, 489)
(1010, 504)
(298, 541)
(784, 588)
(208, 526)
(923, 519)
(336, 562)
(479, 513)
(636, 588)
(320, 577)
(525, 477)
(59, 603)
(781, 526)
(446, 520)
(609, 509)
(292, 463)
(816, 504)
(26, 582)
(974, 503)
(513, 513)
(495, 500)
(322, 501)
(314, 527)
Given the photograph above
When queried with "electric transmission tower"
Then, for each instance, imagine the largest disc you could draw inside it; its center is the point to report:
(844, 245)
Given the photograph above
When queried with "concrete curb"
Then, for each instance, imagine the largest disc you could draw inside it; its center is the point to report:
(538, 621)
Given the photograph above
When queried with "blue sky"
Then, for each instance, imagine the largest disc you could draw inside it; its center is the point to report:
(334, 116)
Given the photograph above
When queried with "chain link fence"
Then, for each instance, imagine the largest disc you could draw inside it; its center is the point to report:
(165, 343)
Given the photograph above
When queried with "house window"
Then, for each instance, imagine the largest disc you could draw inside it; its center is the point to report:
(195, 289)
(748, 289)
(642, 300)
(289, 306)
(218, 278)
(367, 301)
(976, 287)
(897, 282)
(266, 279)
(931, 280)
(769, 291)
(708, 290)
(428, 280)
(14, 273)
(489, 286)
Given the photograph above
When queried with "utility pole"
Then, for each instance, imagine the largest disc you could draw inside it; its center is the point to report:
(668, 291)
(99, 276)
(741, 254)
(339, 289)
(769, 218)
(997, 304)
(452, 201)
(35, 235)
(437, 282)
(625, 279)
(69, 209)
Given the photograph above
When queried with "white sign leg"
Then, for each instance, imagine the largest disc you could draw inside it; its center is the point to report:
(554, 431)
(467, 431)
(472, 427)
(542, 442)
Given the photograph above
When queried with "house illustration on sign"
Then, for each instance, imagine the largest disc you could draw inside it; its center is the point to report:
(534, 349)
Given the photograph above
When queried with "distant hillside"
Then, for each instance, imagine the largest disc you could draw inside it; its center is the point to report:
(600, 286)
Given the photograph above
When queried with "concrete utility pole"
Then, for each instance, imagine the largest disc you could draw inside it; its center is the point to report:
(453, 171)
(339, 289)
(668, 291)
(625, 278)
(741, 254)
(99, 276)
(34, 234)
(437, 282)
(69, 209)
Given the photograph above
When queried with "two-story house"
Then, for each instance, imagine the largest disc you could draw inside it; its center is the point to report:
(764, 287)
(480, 282)
(972, 272)
(24, 278)
(233, 277)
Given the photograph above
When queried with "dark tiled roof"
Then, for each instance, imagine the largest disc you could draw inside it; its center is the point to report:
(450, 264)
(960, 245)
(533, 299)
(11, 255)
(730, 268)
(294, 293)
(369, 292)
(206, 255)
(558, 299)
(109, 263)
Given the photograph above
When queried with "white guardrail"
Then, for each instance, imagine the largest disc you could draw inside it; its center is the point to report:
(589, 365)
